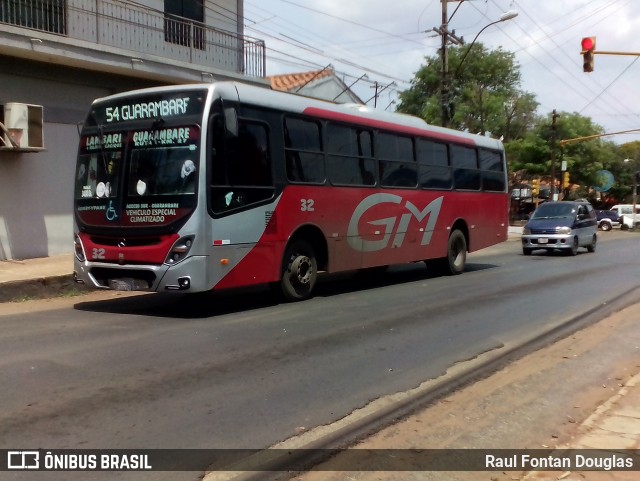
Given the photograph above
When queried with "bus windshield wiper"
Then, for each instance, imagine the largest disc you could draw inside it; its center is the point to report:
(103, 154)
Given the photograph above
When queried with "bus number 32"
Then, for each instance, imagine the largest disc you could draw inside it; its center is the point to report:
(306, 205)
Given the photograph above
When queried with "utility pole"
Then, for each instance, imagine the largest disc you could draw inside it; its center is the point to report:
(446, 37)
(379, 90)
(554, 136)
(444, 83)
(446, 105)
(375, 96)
(636, 178)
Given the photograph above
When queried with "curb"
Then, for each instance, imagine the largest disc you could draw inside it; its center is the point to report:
(39, 288)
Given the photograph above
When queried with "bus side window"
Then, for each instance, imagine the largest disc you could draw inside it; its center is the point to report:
(466, 174)
(398, 167)
(241, 173)
(493, 172)
(248, 156)
(303, 151)
(433, 163)
(349, 156)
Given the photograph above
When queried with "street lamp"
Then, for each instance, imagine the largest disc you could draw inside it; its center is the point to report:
(505, 16)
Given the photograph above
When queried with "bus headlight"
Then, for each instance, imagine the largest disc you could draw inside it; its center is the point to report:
(77, 247)
(179, 250)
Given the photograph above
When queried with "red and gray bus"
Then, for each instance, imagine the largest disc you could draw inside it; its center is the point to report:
(224, 185)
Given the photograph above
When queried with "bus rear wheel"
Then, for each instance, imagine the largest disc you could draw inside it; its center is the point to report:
(300, 271)
(456, 258)
(457, 252)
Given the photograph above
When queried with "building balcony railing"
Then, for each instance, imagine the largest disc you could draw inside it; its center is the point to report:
(139, 29)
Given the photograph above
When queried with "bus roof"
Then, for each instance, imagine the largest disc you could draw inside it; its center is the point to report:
(352, 113)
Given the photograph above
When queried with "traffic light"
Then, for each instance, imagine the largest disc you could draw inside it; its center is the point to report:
(565, 180)
(588, 47)
(535, 187)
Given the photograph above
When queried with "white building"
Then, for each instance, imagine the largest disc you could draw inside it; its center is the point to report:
(56, 56)
(321, 84)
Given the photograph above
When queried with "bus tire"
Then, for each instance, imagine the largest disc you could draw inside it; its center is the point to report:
(456, 258)
(299, 272)
(456, 253)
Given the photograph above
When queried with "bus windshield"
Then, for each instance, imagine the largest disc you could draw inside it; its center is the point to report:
(98, 174)
(162, 171)
(138, 161)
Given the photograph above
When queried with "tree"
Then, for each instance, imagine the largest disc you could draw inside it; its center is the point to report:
(484, 94)
(585, 159)
(631, 150)
(520, 115)
(624, 172)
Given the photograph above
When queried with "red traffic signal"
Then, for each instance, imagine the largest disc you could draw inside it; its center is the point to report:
(588, 47)
(588, 43)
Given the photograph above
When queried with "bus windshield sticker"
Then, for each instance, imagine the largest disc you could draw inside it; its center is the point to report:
(109, 141)
(174, 136)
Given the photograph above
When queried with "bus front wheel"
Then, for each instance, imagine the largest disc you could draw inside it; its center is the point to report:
(300, 271)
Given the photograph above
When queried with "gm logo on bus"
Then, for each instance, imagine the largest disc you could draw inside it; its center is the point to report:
(394, 231)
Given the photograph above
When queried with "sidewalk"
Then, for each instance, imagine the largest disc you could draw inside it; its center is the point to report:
(36, 278)
(515, 231)
(614, 427)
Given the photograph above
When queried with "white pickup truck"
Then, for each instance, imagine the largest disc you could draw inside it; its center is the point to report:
(628, 220)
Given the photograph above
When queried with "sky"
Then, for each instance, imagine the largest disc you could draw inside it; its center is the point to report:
(388, 41)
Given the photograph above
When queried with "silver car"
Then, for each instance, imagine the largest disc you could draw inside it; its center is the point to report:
(561, 225)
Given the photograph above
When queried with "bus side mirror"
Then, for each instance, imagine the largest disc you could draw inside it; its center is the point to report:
(231, 121)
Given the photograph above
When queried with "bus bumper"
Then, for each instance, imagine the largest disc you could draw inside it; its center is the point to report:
(186, 276)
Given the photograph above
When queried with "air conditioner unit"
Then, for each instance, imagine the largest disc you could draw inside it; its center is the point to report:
(23, 126)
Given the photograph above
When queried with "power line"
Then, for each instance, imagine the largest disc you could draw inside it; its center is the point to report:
(362, 63)
(610, 84)
(550, 55)
(573, 73)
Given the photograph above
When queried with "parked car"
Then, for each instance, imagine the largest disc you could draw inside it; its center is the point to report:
(629, 221)
(607, 219)
(561, 225)
(627, 218)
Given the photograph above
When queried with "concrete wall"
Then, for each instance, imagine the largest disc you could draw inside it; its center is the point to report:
(36, 189)
(65, 73)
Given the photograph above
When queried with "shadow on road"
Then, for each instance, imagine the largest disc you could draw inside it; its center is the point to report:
(212, 304)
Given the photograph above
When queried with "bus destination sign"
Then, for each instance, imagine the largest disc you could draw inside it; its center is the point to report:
(148, 107)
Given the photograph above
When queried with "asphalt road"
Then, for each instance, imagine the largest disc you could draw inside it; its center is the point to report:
(241, 371)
